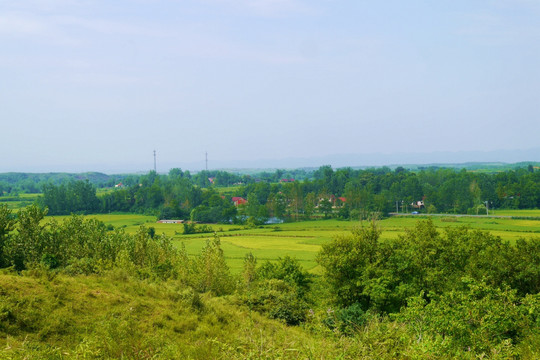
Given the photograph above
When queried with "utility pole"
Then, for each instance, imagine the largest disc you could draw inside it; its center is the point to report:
(155, 161)
(206, 155)
(487, 207)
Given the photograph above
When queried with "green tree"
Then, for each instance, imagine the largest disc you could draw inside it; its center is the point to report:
(277, 299)
(211, 270)
(474, 316)
(27, 246)
(345, 261)
(278, 205)
(73, 197)
(250, 269)
(280, 290)
(295, 195)
(288, 270)
(309, 205)
(256, 212)
(7, 225)
(325, 207)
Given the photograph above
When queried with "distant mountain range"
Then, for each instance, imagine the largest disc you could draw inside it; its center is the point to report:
(405, 159)
(410, 160)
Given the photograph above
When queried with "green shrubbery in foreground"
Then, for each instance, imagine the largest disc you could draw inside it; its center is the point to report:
(77, 290)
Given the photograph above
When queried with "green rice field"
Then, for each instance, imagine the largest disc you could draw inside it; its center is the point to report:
(19, 201)
(518, 213)
(302, 240)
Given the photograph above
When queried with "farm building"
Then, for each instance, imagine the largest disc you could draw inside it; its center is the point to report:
(237, 200)
(335, 201)
(170, 221)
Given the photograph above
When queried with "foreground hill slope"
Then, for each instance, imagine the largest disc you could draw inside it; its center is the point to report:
(114, 316)
(47, 316)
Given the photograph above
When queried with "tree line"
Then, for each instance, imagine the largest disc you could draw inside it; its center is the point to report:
(14, 183)
(343, 193)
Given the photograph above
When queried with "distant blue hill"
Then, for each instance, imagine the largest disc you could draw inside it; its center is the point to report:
(405, 159)
(494, 158)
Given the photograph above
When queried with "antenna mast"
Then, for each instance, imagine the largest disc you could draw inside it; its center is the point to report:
(206, 154)
(155, 161)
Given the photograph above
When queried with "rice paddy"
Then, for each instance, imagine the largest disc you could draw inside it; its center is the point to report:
(302, 240)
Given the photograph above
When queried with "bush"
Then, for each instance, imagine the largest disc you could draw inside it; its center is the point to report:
(278, 300)
(382, 275)
(50, 261)
(351, 318)
(192, 228)
(477, 317)
(210, 270)
(288, 270)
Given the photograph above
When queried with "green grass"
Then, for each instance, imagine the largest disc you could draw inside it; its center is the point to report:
(104, 191)
(17, 202)
(263, 247)
(31, 197)
(47, 315)
(17, 205)
(113, 316)
(227, 190)
(302, 240)
(129, 221)
(519, 213)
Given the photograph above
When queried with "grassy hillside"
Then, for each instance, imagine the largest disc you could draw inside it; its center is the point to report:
(115, 316)
(43, 316)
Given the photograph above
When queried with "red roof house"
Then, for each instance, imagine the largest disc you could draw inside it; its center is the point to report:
(237, 200)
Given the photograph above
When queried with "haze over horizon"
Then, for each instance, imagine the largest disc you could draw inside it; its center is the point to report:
(97, 86)
(334, 160)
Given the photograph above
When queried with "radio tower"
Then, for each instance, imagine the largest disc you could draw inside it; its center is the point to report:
(206, 154)
(155, 161)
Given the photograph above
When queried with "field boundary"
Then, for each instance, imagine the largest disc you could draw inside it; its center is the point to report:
(462, 215)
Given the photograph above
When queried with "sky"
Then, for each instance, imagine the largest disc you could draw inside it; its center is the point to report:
(98, 85)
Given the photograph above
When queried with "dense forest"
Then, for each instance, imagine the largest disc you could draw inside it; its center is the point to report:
(453, 294)
(219, 196)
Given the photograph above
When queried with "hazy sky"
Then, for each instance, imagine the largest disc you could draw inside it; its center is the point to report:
(98, 85)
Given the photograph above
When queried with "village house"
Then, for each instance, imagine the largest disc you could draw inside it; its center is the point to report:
(237, 200)
(170, 221)
(335, 201)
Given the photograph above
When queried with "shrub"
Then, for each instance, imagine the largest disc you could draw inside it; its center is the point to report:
(278, 300)
(351, 318)
(210, 270)
(192, 228)
(288, 270)
(477, 317)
